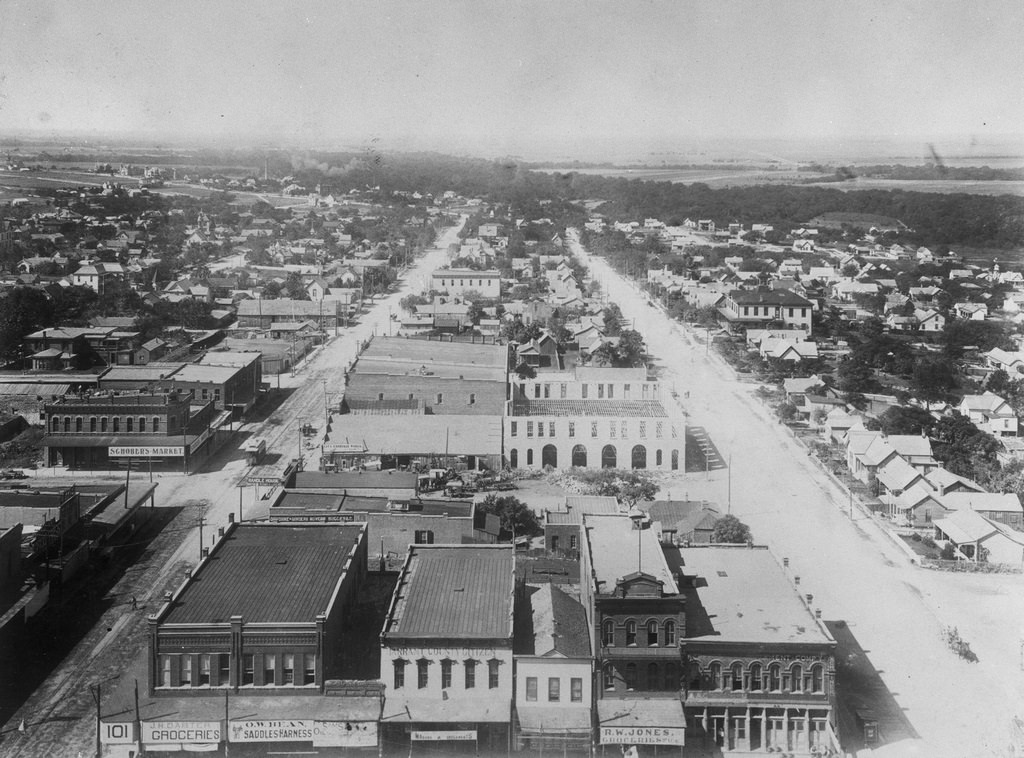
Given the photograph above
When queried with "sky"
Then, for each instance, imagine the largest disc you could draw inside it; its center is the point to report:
(515, 77)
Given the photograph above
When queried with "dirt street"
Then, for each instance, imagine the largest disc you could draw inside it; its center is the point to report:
(59, 714)
(895, 610)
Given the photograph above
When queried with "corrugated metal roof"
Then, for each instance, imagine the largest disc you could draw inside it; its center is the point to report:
(267, 573)
(454, 591)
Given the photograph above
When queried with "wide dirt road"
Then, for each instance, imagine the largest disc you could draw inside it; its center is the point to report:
(895, 610)
(59, 716)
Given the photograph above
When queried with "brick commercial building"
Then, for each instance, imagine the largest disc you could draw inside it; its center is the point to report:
(164, 430)
(430, 377)
(249, 649)
(759, 666)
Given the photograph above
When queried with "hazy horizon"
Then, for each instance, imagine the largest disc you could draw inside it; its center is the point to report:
(571, 80)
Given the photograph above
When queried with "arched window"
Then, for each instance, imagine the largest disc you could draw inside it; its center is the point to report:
(529, 457)
(631, 632)
(670, 633)
(117, 424)
(797, 678)
(156, 423)
(78, 423)
(638, 458)
(579, 456)
(737, 677)
(755, 677)
(630, 677)
(608, 633)
(142, 423)
(608, 674)
(608, 457)
(67, 423)
(817, 678)
(549, 456)
(103, 424)
(652, 633)
(715, 676)
(513, 458)
(128, 424)
(56, 424)
(653, 677)
(675, 460)
(775, 678)
(657, 457)
(92, 423)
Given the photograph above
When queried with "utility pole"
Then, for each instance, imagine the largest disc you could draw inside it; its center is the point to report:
(729, 500)
(202, 521)
(138, 721)
(96, 695)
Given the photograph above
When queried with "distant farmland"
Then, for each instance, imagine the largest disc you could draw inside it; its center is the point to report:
(725, 177)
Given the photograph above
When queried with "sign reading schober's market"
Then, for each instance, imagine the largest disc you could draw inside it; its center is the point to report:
(300, 730)
(642, 735)
(146, 452)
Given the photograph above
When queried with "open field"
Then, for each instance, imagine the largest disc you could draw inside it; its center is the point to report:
(15, 184)
(718, 179)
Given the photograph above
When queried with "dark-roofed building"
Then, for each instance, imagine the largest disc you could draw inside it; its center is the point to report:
(592, 418)
(682, 521)
(762, 309)
(554, 668)
(262, 612)
(446, 647)
(394, 522)
(386, 484)
(563, 527)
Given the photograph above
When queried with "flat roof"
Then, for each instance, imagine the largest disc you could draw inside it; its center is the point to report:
(614, 554)
(151, 372)
(336, 502)
(374, 370)
(454, 591)
(420, 351)
(590, 408)
(268, 573)
(742, 595)
(194, 372)
(356, 479)
(419, 435)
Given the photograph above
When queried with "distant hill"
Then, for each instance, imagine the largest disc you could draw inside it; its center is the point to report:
(865, 221)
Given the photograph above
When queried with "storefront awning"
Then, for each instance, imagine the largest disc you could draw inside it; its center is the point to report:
(641, 722)
(541, 719)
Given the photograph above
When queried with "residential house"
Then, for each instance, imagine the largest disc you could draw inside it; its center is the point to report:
(990, 413)
(929, 320)
(917, 506)
(1011, 363)
(1002, 507)
(971, 311)
(981, 540)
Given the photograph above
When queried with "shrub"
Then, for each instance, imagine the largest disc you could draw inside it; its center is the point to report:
(915, 537)
(948, 552)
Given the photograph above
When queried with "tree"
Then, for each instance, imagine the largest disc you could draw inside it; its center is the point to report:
(517, 519)
(409, 302)
(22, 312)
(786, 412)
(730, 529)
(906, 420)
(933, 377)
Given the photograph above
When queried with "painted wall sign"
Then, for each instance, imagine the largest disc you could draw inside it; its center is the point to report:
(642, 735)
